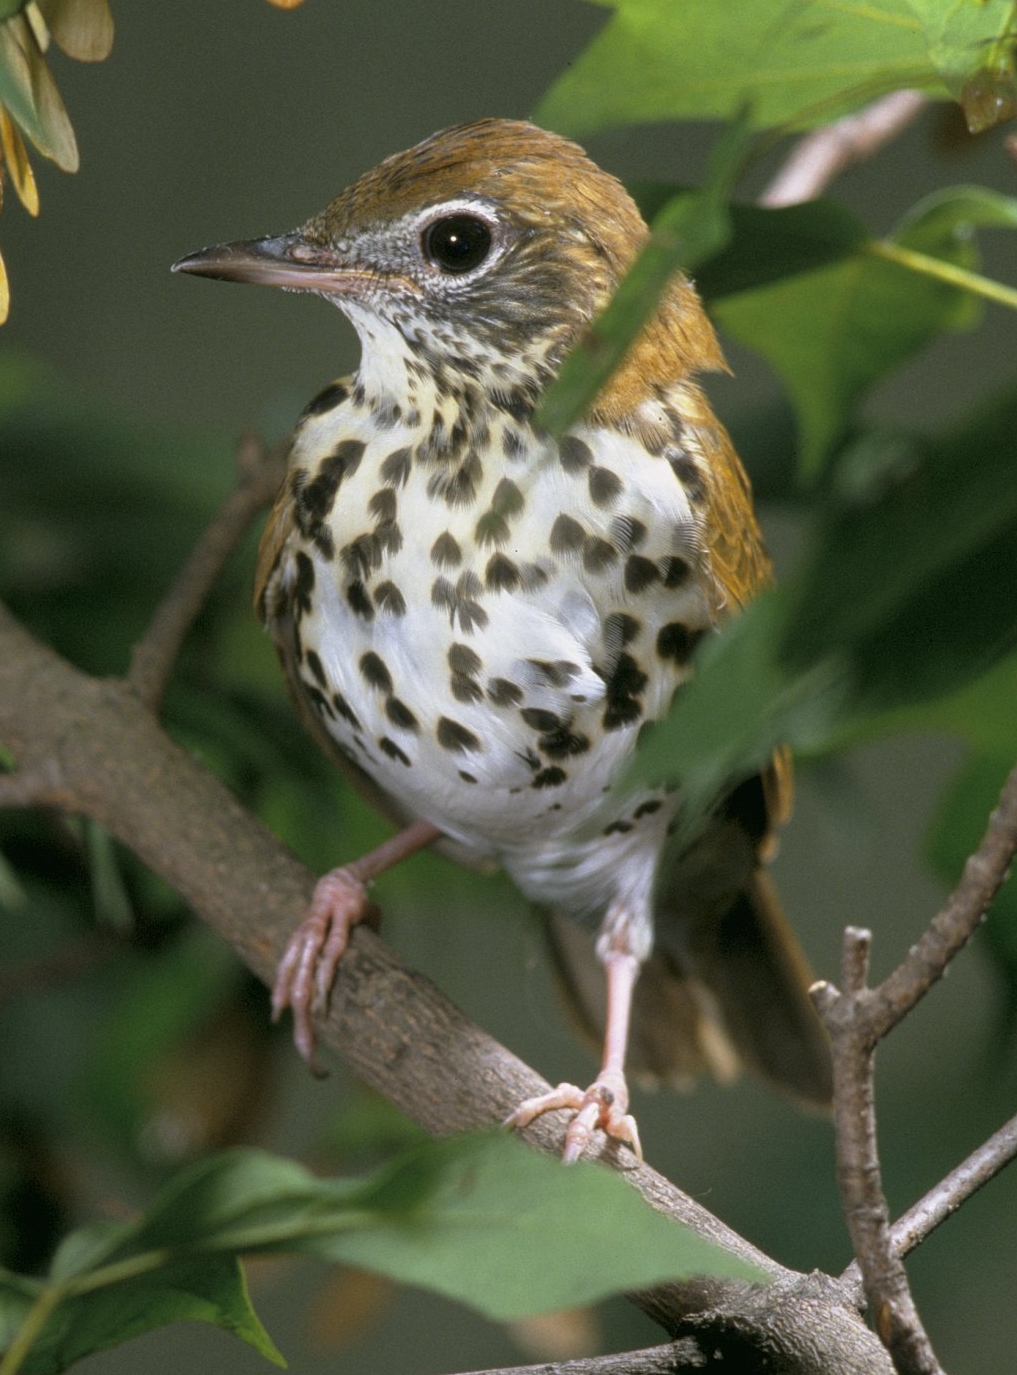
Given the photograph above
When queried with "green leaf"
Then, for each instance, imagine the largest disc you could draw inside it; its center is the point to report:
(30, 94)
(834, 332)
(463, 1217)
(771, 245)
(970, 43)
(916, 576)
(687, 230)
(794, 62)
(214, 1291)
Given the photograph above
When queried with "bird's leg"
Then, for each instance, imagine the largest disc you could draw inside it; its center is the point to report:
(605, 1103)
(307, 970)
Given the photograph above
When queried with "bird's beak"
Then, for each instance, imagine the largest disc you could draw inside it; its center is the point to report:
(287, 261)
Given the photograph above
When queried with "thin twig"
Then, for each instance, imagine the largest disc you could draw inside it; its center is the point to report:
(669, 1359)
(822, 155)
(955, 923)
(857, 1018)
(261, 472)
(942, 1201)
(845, 1012)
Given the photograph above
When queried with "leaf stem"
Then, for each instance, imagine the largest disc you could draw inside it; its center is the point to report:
(945, 272)
(37, 1318)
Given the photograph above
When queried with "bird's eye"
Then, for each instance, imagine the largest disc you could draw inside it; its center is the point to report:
(456, 243)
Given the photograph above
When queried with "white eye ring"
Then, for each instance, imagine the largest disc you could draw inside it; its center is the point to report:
(459, 240)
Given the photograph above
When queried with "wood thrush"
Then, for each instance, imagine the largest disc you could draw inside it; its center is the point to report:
(475, 620)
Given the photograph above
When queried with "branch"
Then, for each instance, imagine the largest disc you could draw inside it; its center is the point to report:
(392, 1026)
(943, 1200)
(955, 923)
(822, 155)
(261, 473)
(857, 1018)
(670, 1359)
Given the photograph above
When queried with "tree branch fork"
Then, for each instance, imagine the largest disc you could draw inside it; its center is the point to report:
(94, 747)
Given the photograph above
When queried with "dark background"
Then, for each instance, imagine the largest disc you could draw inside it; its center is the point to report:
(212, 122)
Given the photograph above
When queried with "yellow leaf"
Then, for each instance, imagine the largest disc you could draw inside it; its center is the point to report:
(5, 295)
(15, 156)
(82, 28)
(285, 4)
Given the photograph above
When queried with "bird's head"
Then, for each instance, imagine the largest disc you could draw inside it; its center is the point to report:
(488, 247)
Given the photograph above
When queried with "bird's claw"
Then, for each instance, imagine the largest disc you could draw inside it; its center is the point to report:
(602, 1106)
(307, 970)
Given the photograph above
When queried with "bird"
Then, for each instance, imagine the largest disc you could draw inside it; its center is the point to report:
(478, 620)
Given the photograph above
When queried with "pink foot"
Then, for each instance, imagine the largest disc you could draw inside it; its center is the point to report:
(307, 970)
(603, 1106)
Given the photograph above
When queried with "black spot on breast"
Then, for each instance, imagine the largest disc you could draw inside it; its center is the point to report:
(619, 629)
(624, 689)
(445, 551)
(316, 496)
(358, 600)
(538, 719)
(465, 689)
(647, 808)
(627, 532)
(326, 400)
(549, 778)
(389, 536)
(685, 470)
(501, 574)
(491, 528)
(304, 584)
(617, 828)
(598, 554)
(383, 504)
(463, 659)
(362, 555)
(374, 671)
(676, 641)
(554, 672)
(517, 402)
(561, 742)
(512, 444)
(390, 599)
(640, 573)
(400, 715)
(566, 534)
(574, 455)
(504, 693)
(389, 747)
(457, 486)
(534, 575)
(676, 571)
(508, 500)
(314, 664)
(605, 486)
(396, 468)
(321, 703)
(453, 735)
(343, 709)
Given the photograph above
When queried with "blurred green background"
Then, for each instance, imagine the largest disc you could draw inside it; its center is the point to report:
(122, 389)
